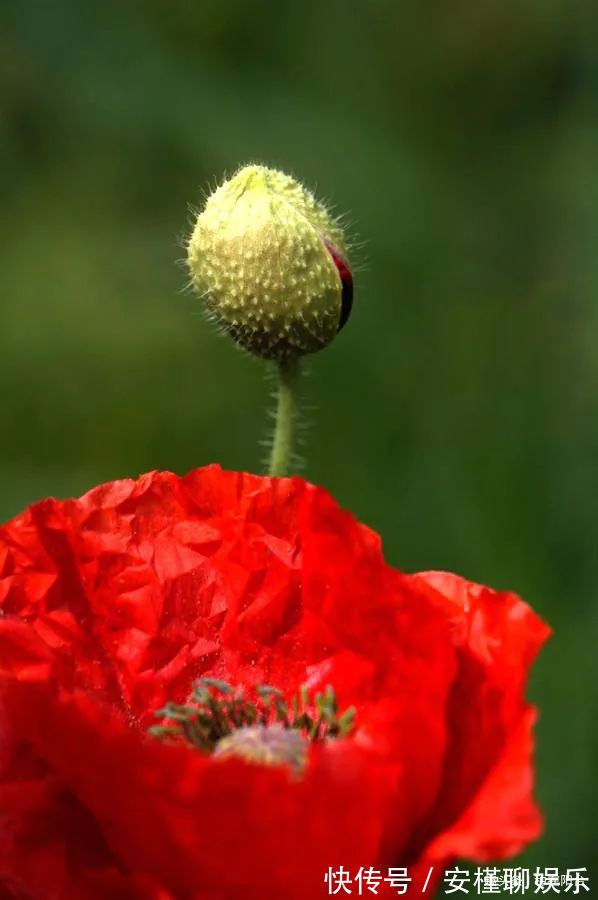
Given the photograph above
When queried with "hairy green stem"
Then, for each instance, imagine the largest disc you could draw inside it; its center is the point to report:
(286, 416)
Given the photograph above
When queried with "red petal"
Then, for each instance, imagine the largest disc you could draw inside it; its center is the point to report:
(115, 602)
(496, 636)
(186, 822)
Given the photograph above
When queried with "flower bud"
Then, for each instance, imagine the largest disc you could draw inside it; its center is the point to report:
(270, 264)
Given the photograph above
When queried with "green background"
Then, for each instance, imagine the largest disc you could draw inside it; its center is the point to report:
(457, 412)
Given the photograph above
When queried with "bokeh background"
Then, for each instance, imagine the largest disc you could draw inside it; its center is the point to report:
(457, 413)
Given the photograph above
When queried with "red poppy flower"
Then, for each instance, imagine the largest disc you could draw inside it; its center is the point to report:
(113, 604)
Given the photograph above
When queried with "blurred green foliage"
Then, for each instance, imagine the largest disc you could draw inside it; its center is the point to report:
(457, 413)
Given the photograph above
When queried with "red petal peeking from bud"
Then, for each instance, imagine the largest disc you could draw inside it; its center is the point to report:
(347, 286)
(116, 603)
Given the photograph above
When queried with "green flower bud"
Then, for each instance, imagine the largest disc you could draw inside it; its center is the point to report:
(270, 263)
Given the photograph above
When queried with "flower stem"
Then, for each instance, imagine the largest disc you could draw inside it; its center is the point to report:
(286, 415)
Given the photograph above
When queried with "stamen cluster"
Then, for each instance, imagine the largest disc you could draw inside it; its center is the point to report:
(217, 709)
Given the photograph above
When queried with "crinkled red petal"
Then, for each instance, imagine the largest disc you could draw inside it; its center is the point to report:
(116, 602)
